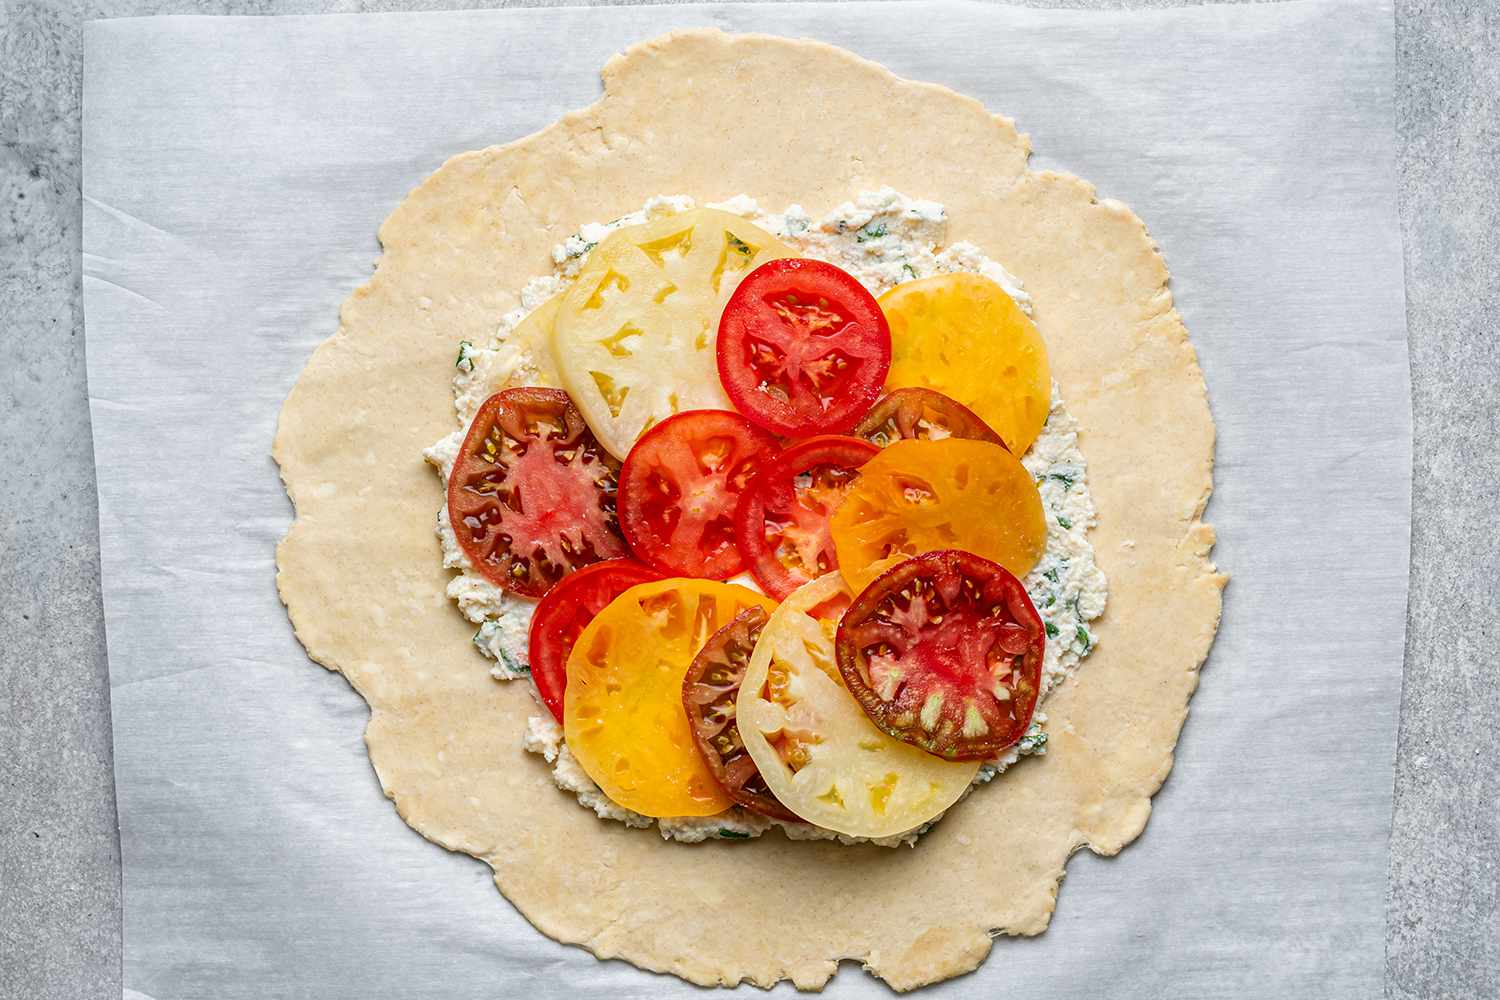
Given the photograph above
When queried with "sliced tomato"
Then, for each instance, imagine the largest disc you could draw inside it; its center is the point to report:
(564, 613)
(924, 496)
(944, 651)
(708, 696)
(962, 334)
(532, 494)
(922, 414)
(782, 520)
(623, 716)
(803, 347)
(817, 750)
(634, 335)
(679, 488)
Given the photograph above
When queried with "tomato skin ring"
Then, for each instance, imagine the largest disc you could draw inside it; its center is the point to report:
(955, 581)
(565, 611)
(823, 382)
(773, 490)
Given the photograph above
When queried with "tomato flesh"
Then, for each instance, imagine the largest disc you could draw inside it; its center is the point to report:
(962, 334)
(944, 651)
(679, 488)
(623, 716)
(915, 413)
(782, 520)
(708, 696)
(532, 495)
(923, 496)
(634, 337)
(803, 348)
(814, 745)
(564, 613)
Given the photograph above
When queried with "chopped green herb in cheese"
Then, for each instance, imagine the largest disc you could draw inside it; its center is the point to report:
(1034, 742)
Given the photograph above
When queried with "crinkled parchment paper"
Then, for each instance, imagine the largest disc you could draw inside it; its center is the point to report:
(231, 166)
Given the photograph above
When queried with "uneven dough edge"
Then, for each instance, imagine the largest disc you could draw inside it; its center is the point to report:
(360, 578)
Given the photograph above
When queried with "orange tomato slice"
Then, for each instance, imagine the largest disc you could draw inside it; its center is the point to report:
(921, 496)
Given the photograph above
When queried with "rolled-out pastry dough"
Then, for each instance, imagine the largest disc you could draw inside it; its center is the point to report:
(359, 574)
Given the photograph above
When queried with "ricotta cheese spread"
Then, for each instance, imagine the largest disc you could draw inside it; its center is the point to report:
(882, 238)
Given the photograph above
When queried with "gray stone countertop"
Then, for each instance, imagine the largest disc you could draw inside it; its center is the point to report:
(59, 853)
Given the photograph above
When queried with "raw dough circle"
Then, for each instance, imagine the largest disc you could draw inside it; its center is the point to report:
(360, 578)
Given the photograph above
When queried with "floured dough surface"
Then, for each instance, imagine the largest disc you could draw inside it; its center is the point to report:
(366, 595)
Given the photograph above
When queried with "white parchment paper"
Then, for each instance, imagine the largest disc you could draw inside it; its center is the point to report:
(235, 172)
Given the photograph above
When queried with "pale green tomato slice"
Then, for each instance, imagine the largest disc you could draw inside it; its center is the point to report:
(634, 337)
(533, 339)
(817, 750)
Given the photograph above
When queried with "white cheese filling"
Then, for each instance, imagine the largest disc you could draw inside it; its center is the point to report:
(882, 238)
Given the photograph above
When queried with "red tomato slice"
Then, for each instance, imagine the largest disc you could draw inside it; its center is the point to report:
(803, 347)
(531, 496)
(564, 613)
(922, 414)
(944, 651)
(679, 487)
(782, 521)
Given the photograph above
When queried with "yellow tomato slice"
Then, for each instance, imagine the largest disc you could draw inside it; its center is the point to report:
(635, 336)
(532, 338)
(923, 495)
(963, 336)
(815, 747)
(622, 712)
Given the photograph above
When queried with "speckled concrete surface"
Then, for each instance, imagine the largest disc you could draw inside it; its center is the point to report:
(59, 861)
(1443, 935)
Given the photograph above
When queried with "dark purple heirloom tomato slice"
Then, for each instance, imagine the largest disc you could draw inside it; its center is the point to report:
(944, 651)
(915, 412)
(708, 696)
